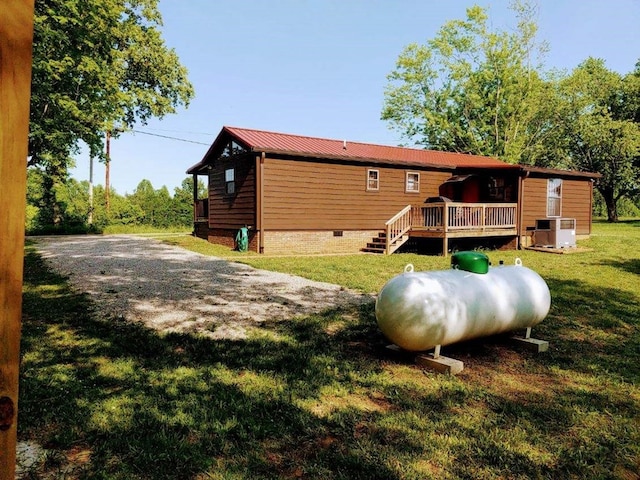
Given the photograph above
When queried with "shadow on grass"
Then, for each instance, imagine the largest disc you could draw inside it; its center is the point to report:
(594, 330)
(632, 265)
(314, 397)
(634, 222)
(140, 405)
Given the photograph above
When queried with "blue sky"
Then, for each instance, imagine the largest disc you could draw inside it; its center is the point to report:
(319, 67)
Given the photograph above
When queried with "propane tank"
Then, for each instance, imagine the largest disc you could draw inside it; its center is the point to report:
(421, 310)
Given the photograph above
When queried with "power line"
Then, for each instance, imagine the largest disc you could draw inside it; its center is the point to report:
(181, 131)
(170, 138)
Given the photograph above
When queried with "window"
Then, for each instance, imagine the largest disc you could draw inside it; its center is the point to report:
(373, 179)
(554, 197)
(412, 183)
(229, 179)
(231, 149)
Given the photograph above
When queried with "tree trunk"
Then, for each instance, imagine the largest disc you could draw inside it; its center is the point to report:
(51, 213)
(612, 204)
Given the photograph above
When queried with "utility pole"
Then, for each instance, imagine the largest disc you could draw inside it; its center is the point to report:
(106, 170)
(16, 40)
(90, 216)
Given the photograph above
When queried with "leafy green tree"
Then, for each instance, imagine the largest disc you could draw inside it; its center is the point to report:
(97, 66)
(35, 180)
(69, 197)
(601, 128)
(73, 198)
(183, 201)
(146, 206)
(474, 90)
(144, 196)
(122, 210)
(35, 193)
(163, 209)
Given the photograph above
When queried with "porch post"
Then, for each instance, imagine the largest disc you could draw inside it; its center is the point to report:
(195, 200)
(16, 37)
(445, 229)
(484, 217)
(521, 176)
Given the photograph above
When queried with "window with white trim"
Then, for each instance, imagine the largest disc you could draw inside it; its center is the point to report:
(230, 181)
(412, 182)
(554, 197)
(373, 180)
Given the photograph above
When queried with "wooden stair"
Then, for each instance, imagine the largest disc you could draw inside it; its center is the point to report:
(379, 244)
(395, 234)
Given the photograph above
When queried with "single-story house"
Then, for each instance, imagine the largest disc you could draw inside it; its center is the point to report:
(304, 195)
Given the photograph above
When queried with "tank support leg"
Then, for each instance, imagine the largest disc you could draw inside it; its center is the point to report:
(528, 333)
(436, 352)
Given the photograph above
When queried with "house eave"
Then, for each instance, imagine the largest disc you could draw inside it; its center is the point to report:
(353, 159)
(559, 173)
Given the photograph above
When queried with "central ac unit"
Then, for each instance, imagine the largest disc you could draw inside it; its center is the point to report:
(555, 233)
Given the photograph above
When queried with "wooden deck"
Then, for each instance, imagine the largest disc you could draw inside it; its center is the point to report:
(447, 220)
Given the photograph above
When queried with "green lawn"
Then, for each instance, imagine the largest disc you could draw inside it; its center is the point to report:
(319, 397)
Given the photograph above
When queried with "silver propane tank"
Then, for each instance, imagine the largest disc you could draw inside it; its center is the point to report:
(421, 310)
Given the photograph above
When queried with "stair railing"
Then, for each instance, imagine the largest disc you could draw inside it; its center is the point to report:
(396, 227)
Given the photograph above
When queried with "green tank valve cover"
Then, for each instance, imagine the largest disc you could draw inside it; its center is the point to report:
(474, 262)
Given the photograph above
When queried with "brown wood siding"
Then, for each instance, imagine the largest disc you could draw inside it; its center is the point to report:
(306, 195)
(576, 202)
(238, 209)
(534, 201)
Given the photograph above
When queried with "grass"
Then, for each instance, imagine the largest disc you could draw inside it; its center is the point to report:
(319, 397)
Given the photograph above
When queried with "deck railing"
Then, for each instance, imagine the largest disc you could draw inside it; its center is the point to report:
(464, 216)
(202, 210)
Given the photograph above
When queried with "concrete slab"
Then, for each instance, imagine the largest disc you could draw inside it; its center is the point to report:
(446, 365)
(531, 344)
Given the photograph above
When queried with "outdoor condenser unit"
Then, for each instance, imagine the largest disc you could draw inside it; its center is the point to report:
(555, 233)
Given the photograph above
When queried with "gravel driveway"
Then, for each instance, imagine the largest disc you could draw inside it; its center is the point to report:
(172, 289)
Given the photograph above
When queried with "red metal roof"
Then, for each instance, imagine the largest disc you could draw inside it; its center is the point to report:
(273, 142)
(313, 147)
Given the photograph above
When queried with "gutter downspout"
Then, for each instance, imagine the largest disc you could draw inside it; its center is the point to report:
(524, 174)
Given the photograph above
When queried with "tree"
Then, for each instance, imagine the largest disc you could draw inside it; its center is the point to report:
(473, 90)
(73, 198)
(96, 66)
(69, 197)
(602, 129)
(122, 210)
(144, 196)
(163, 208)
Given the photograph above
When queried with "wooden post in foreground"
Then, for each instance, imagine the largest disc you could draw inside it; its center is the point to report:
(16, 34)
